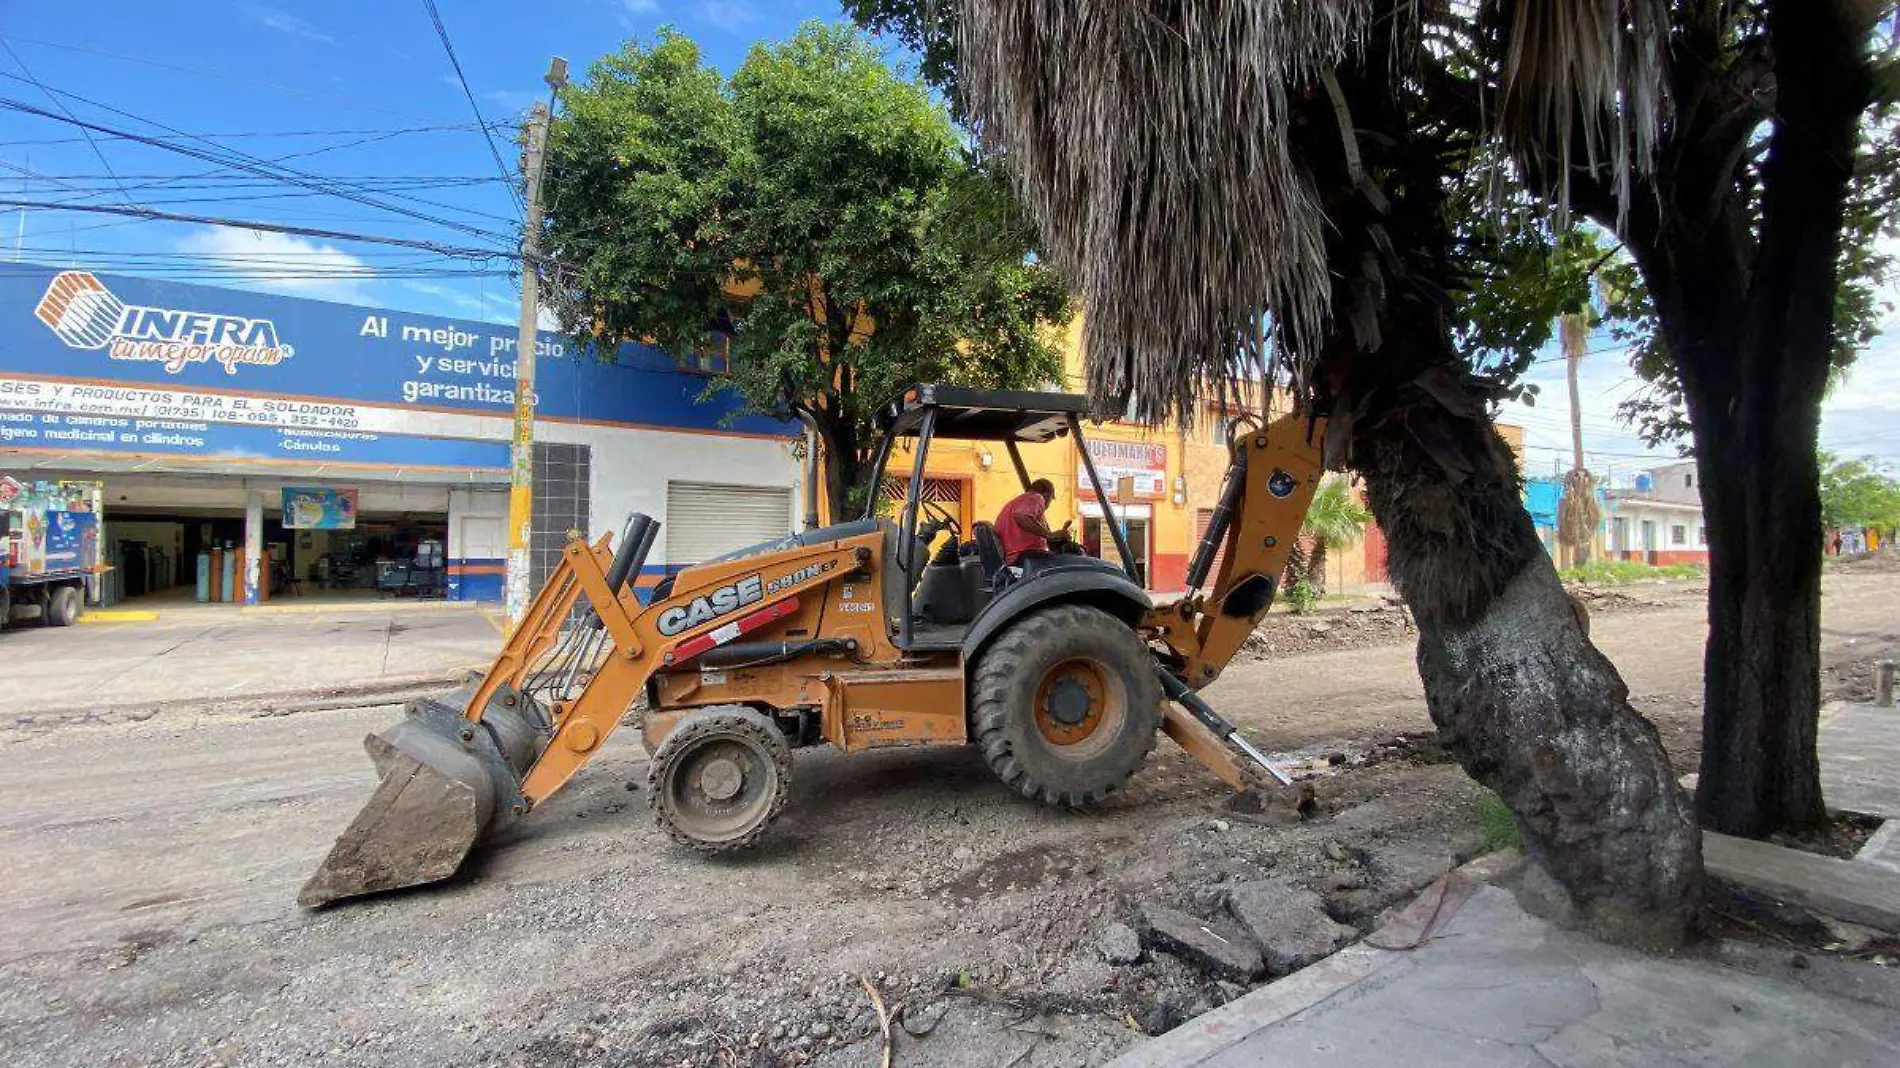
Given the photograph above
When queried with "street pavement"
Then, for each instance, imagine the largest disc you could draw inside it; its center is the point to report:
(220, 653)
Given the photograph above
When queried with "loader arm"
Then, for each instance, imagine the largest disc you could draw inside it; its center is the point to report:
(645, 640)
(1268, 487)
(457, 766)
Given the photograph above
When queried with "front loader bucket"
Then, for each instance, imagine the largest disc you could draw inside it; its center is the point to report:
(446, 781)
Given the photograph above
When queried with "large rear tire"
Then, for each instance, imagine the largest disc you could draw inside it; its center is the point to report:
(719, 778)
(1065, 704)
(62, 607)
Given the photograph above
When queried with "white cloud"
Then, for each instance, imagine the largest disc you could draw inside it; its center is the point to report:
(727, 14)
(632, 14)
(513, 100)
(284, 22)
(283, 263)
(490, 304)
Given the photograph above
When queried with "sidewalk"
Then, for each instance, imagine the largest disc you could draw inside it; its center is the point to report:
(1489, 985)
(1467, 979)
(218, 654)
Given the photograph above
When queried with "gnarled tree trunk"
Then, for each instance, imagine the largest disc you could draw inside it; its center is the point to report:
(1522, 699)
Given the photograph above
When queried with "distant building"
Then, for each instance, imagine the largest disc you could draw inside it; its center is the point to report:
(1658, 519)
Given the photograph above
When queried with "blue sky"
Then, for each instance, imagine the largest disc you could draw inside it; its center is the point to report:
(330, 85)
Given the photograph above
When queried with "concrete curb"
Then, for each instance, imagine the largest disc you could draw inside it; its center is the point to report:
(386, 690)
(1207, 1035)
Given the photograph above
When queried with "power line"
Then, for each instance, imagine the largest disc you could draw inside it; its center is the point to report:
(272, 167)
(457, 252)
(221, 76)
(292, 177)
(442, 32)
(55, 101)
(458, 127)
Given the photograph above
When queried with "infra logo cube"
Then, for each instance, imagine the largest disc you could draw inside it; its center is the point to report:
(81, 310)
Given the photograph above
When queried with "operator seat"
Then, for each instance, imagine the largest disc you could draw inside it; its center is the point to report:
(989, 549)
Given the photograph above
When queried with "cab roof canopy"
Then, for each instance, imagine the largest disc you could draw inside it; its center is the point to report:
(967, 414)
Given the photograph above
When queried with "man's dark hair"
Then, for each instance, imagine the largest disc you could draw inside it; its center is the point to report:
(1044, 487)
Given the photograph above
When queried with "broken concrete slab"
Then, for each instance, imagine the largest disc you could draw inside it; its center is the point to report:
(1289, 923)
(1217, 949)
(1846, 889)
(1496, 986)
(1395, 873)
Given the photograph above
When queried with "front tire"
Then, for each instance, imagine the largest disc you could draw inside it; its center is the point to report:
(719, 778)
(1065, 704)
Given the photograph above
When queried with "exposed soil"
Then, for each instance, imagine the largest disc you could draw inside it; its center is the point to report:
(1843, 836)
(153, 866)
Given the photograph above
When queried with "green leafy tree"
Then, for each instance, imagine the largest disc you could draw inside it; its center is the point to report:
(1855, 494)
(815, 216)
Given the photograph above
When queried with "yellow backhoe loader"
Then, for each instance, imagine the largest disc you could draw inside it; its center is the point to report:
(858, 635)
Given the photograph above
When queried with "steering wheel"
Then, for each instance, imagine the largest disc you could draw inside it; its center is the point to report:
(941, 518)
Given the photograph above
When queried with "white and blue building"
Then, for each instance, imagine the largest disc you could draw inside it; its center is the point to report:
(197, 406)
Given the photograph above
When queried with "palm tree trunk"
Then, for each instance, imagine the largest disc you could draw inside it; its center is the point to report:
(1522, 699)
(1316, 568)
(1296, 563)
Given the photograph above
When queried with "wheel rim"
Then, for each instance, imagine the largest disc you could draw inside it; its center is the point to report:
(1080, 707)
(721, 787)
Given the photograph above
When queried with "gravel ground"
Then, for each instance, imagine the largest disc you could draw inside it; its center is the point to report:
(149, 917)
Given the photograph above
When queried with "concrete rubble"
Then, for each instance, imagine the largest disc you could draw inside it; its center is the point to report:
(1215, 947)
(1288, 923)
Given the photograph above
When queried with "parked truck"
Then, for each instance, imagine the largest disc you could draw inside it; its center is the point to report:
(49, 550)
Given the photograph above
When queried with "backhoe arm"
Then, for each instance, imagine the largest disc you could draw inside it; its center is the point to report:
(1269, 486)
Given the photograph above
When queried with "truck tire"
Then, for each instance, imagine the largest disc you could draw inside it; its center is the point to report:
(62, 607)
(1065, 704)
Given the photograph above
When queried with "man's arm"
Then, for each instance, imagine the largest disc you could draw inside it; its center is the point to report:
(1034, 523)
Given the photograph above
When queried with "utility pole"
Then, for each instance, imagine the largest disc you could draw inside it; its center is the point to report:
(521, 444)
(1579, 516)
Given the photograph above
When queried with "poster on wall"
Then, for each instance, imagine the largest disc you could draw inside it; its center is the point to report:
(1144, 463)
(319, 508)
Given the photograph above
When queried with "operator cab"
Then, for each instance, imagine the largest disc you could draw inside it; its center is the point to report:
(936, 598)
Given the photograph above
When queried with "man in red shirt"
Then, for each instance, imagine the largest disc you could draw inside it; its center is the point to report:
(1020, 526)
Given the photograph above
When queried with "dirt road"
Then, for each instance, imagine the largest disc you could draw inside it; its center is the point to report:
(148, 913)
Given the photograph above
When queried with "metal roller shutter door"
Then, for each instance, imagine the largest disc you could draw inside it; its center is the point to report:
(1204, 518)
(705, 520)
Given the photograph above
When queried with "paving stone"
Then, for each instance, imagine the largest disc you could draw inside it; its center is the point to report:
(1288, 923)
(1215, 948)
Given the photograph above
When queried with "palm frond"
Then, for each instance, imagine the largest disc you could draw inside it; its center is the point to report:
(1150, 143)
(1335, 519)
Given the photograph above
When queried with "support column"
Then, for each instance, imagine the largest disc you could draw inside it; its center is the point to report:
(253, 544)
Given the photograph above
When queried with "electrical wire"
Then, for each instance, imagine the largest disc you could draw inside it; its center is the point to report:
(253, 165)
(55, 101)
(300, 231)
(442, 33)
(223, 77)
(458, 127)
